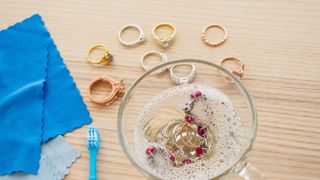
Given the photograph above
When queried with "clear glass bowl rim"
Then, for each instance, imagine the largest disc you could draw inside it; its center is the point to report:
(121, 133)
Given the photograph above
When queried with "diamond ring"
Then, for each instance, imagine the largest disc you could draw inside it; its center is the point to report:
(182, 80)
(164, 41)
(140, 39)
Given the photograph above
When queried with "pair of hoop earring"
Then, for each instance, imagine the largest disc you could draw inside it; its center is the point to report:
(163, 41)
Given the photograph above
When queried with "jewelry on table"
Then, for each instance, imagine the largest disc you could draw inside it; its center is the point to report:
(140, 39)
(107, 56)
(211, 43)
(239, 73)
(163, 57)
(117, 90)
(182, 80)
(164, 41)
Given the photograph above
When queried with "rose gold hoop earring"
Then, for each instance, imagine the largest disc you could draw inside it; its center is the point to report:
(117, 90)
(240, 72)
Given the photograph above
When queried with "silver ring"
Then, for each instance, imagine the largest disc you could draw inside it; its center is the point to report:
(141, 38)
(182, 80)
(163, 56)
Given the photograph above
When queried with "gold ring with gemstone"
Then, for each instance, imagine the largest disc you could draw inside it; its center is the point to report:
(164, 41)
(106, 57)
(163, 57)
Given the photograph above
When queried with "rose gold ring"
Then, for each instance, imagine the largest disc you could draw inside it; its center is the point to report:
(117, 90)
(216, 43)
(240, 72)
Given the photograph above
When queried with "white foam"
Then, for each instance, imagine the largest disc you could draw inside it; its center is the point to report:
(224, 121)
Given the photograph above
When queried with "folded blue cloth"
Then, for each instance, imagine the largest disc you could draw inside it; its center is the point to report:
(38, 98)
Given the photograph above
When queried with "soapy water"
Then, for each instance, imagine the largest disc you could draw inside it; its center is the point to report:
(217, 112)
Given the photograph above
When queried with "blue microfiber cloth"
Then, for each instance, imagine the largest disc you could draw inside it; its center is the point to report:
(38, 98)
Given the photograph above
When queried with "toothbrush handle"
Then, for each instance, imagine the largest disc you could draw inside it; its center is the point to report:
(93, 160)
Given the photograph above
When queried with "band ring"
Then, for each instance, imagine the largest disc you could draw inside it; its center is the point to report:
(163, 57)
(140, 39)
(240, 72)
(164, 41)
(117, 90)
(107, 56)
(182, 80)
(211, 43)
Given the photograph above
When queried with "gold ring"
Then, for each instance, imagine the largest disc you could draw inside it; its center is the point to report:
(164, 41)
(239, 73)
(217, 43)
(107, 56)
(163, 57)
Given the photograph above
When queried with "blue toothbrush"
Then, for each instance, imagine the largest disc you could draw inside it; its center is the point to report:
(93, 137)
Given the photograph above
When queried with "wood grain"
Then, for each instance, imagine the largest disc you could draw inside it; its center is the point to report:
(278, 40)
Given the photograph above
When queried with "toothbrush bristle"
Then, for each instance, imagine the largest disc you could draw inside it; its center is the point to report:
(93, 137)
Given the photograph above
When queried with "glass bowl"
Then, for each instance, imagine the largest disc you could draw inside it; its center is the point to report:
(149, 85)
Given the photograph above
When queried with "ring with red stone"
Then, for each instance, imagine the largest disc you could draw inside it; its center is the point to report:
(187, 142)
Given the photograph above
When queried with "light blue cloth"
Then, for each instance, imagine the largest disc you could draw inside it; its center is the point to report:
(57, 155)
(38, 98)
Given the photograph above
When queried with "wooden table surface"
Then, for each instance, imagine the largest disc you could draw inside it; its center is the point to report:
(278, 40)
